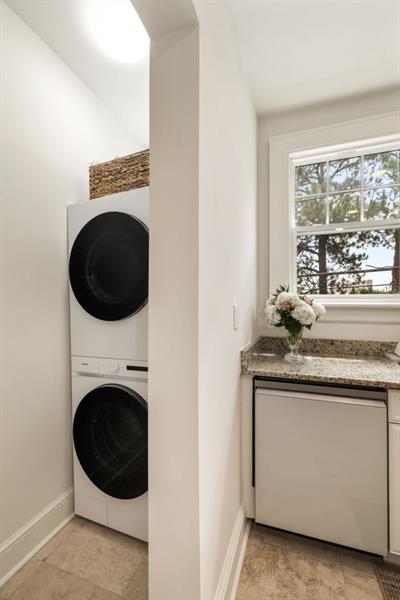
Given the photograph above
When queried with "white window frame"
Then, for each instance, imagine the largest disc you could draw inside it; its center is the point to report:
(349, 137)
(335, 153)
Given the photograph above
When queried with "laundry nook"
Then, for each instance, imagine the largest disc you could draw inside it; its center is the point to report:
(199, 300)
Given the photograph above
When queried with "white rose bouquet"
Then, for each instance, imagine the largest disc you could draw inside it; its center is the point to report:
(293, 312)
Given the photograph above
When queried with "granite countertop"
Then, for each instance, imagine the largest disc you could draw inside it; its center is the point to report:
(337, 361)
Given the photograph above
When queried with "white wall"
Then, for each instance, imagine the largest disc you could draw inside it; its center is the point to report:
(350, 323)
(52, 128)
(227, 276)
(202, 260)
(174, 558)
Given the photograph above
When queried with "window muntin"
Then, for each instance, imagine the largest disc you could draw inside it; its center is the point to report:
(347, 225)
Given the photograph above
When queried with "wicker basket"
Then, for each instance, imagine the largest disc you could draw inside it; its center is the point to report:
(120, 175)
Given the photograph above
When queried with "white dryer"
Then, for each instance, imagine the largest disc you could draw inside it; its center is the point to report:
(108, 242)
(109, 400)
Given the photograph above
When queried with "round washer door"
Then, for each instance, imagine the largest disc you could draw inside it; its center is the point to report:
(110, 439)
(109, 266)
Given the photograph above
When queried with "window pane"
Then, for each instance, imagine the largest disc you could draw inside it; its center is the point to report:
(311, 212)
(382, 168)
(361, 262)
(310, 179)
(382, 203)
(344, 208)
(344, 174)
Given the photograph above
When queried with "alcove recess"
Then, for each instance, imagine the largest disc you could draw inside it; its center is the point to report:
(119, 175)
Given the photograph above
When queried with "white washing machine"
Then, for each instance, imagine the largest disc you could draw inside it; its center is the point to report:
(109, 400)
(108, 243)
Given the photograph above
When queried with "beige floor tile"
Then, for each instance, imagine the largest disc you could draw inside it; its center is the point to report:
(361, 586)
(297, 543)
(43, 554)
(272, 572)
(59, 538)
(137, 587)
(49, 583)
(18, 579)
(356, 561)
(102, 556)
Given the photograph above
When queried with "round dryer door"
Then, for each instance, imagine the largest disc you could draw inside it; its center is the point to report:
(110, 439)
(109, 265)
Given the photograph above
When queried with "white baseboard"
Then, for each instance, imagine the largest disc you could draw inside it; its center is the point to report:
(239, 565)
(230, 574)
(29, 539)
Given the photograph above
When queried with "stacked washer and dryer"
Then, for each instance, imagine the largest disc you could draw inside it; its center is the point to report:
(108, 243)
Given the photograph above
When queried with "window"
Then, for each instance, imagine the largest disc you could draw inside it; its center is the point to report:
(346, 222)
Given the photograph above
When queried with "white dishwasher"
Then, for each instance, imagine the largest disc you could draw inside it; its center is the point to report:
(320, 462)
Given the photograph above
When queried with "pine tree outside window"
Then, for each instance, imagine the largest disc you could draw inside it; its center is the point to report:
(346, 223)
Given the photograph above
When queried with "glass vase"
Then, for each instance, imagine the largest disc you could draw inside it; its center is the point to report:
(294, 342)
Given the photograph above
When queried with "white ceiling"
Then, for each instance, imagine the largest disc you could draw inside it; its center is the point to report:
(123, 88)
(295, 53)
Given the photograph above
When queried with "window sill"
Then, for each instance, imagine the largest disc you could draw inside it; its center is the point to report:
(389, 303)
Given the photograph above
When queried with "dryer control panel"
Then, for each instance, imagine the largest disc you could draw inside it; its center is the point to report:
(102, 367)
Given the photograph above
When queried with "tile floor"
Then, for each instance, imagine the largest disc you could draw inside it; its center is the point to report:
(284, 566)
(86, 561)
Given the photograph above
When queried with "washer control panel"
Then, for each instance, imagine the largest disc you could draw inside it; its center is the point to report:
(102, 367)
(110, 367)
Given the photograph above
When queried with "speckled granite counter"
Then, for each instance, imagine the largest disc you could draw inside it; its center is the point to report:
(337, 361)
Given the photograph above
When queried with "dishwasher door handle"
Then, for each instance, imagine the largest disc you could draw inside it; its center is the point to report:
(321, 398)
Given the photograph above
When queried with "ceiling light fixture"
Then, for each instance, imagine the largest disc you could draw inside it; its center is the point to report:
(116, 28)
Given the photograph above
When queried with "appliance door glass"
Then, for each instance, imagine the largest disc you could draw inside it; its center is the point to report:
(321, 467)
(108, 266)
(110, 439)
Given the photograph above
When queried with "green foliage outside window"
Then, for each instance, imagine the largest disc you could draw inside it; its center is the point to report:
(357, 190)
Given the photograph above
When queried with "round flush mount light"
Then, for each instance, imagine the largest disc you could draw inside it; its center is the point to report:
(116, 28)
